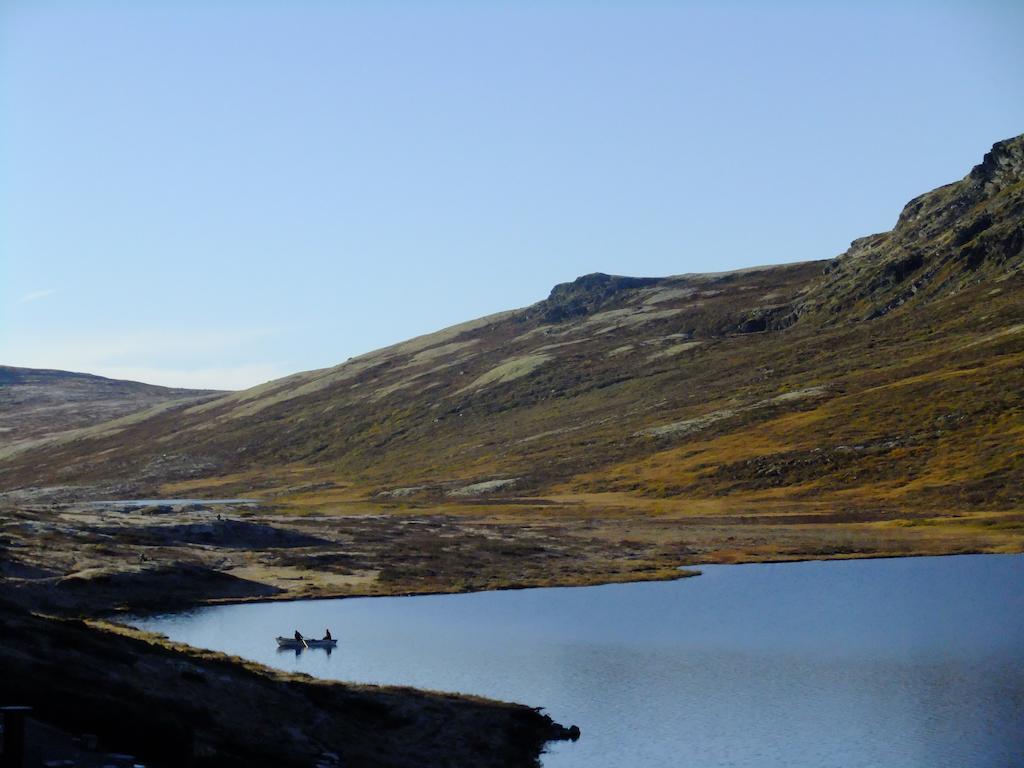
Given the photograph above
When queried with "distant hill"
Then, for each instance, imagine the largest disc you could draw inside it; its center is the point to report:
(889, 377)
(35, 403)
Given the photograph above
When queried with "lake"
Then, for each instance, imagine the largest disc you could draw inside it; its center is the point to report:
(897, 663)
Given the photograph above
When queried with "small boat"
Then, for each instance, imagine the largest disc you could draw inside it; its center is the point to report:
(306, 642)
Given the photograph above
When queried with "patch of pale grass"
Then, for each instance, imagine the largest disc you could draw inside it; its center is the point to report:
(510, 370)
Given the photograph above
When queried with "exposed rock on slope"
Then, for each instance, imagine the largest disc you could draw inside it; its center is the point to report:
(962, 234)
(587, 294)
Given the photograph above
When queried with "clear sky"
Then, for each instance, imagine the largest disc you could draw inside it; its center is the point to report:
(213, 194)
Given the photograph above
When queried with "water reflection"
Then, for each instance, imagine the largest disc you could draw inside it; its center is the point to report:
(298, 650)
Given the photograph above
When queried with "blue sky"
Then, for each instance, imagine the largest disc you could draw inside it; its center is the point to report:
(215, 194)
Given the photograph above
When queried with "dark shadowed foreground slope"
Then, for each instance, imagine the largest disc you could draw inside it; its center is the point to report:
(175, 706)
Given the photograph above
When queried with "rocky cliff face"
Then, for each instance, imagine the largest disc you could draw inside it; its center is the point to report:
(587, 294)
(965, 233)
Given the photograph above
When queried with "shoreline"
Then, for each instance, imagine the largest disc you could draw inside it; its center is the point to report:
(685, 572)
(92, 569)
(175, 705)
(286, 598)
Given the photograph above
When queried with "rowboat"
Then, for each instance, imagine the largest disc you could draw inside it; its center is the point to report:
(308, 642)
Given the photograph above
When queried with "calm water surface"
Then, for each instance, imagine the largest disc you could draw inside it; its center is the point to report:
(896, 663)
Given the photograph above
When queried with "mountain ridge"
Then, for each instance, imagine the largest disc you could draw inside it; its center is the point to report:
(610, 375)
(968, 231)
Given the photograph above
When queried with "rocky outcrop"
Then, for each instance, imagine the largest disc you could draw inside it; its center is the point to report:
(586, 295)
(954, 236)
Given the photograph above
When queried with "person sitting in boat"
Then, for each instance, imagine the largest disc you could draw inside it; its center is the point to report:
(298, 636)
(327, 635)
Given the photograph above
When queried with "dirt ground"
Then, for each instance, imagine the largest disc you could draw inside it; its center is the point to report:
(89, 559)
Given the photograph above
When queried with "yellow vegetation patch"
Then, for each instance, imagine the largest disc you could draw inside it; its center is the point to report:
(296, 580)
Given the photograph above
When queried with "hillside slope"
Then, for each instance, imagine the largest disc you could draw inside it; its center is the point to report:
(885, 381)
(35, 402)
